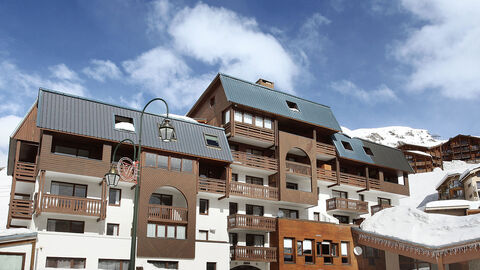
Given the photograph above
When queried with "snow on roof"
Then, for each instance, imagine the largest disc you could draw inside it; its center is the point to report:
(423, 228)
(418, 153)
(466, 173)
(14, 231)
(449, 174)
(453, 204)
(181, 117)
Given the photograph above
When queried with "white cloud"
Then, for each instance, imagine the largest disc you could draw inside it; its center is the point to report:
(61, 71)
(444, 52)
(102, 69)
(310, 41)
(381, 94)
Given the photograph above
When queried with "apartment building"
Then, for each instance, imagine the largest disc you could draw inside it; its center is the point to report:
(422, 158)
(462, 147)
(250, 189)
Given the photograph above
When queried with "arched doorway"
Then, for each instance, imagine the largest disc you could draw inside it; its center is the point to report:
(167, 204)
(299, 170)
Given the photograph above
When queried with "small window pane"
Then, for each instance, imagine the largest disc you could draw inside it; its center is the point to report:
(181, 232)
(170, 231)
(226, 116)
(203, 235)
(114, 196)
(211, 140)
(150, 159)
(187, 165)
(112, 229)
(267, 123)
(80, 191)
(307, 247)
(162, 162)
(344, 248)
(161, 231)
(175, 164)
(238, 116)
(258, 121)
(150, 230)
(247, 118)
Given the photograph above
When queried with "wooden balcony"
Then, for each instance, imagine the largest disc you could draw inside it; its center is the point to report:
(257, 254)
(250, 222)
(326, 149)
(347, 179)
(298, 168)
(253, 191)
(326, 175)
(21, 209)
(347, 205)
(25, 171)
(379, 207)
(254, 161)
(211, 185)
(165, 213)
(251, 131)
(72, 205)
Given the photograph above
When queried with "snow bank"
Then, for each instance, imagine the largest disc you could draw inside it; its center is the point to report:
(125, 126)
(15, 231)
(180, 117)
(419, 227)
(419, 152)
(452, 203)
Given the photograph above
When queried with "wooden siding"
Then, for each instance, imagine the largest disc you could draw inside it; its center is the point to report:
(28, 130)
(250, 222)
(254, 161)
(21, 209)
(326, 149)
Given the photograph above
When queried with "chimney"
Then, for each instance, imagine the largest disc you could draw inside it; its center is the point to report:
(265, 83)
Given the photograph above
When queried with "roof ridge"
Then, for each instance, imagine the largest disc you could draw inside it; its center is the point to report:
(122, 107)
(273, 90)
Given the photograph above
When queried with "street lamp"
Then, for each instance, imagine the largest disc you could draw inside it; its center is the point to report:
(167, 134)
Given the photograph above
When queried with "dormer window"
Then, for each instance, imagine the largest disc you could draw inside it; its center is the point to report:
(368, 151)
(211, 140)
(124, 123)
(347, 145)
(292, 106)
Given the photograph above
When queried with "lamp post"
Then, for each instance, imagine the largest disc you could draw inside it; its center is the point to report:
(166, 133)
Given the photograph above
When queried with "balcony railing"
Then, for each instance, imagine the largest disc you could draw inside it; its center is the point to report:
(251, 222)
(347, 205)
(379, 207)
(251, 131)
(259, 254)
(298, 168)
(348, 179)
(254, 161)
(167, 213)
(211, 185)
(71, 205)
(21, 209)
(25, 171)
(326, 175)
(253, 191)
(325, 149)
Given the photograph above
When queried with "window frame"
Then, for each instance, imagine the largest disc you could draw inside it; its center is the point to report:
(72, 262)
(212, 263)
(126, 118)
(73, 190)
(165, 235)
(206, 234)
(289, 211)
(207, 207)
(161, 196)
(167, 263)
(119, 197)
(381, 199)
(293, 250)
(70, 222)
(118, 229)
(253, 180)
(115, 260)
(340, 193)
(347, 257)
(347, 145)
(294, 185)
(368, 151)
(214, 138)
(250, 208)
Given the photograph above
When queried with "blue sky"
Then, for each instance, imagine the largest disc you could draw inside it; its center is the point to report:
(376, 63)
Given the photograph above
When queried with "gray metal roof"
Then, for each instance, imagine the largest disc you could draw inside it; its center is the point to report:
(77, 115)
(266, 99)
(382, 155)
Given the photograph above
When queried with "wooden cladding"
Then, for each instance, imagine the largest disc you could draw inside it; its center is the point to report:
(253, 191)
(326, 149)
(251, 131)
(250, 222)
(378, 208)
(254, 161)
(348, 205)
(21, 209)
(211, 185)
(163, 213)
(298, 168)
(348, 179)
(25, 171)
(258, 254)
(72, 205)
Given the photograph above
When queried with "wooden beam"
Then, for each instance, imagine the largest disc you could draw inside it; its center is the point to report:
(337, 169)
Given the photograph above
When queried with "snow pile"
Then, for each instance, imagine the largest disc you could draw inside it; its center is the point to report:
(419, 227)
(454, 204)
(15, 231)
(125, 126)
(393, 135)
(419, 153)
(180, 117)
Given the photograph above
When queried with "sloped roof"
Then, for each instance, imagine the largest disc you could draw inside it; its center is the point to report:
(78, 115)
(383, 156)
(274, 101)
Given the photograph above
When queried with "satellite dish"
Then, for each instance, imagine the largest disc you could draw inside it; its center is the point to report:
(357, 251)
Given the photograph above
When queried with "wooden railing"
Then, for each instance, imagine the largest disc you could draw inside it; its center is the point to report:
(325, 149)
(71, 205)
(347, 205)
(251, 222)
(253, 191)
(298, 168)
(251, 131)
(167, 213)
(259, 254)
(348, 179)
(374, 183)
(25, 171)
(21, 208)
(326, 175)
(211, 185)
(254, 161)
(379, 207)
(354, 180)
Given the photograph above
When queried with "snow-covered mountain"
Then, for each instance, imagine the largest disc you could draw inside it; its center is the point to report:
(392, 136)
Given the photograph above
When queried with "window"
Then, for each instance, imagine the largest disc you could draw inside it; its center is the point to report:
(68, 189)
(12, 260)
(233, 239)
(238, 116)
(166, 231)
(124, 123)
(292, 185)
(254, 180)
(384, 201)
(108, 264)
(235, 177)
(114, 196)
(212, 140)
(267, 123)
(361, 197)
(232, 208)
(161, 199)
(187, 165)
(175, 164)
(254, 240)
(203, 207)
(226, 116)
(368, 151)
(212, 101)
(162, 162)
(203, 235)
(74, 263)
(112, 229)
(308, 251)
(316, 216)
(77, 147)
(247, 118)
(211, 266)
(342, 219)
(347, 145)
(288, 250)
(299, 248)
(253, 152)
(344, 252)
(258, 121)
(255, 210)
(168, 163)
(326, 251)
(292, 106)
(164, 264)
(58, 225)
(339, 194)
(287, 213)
